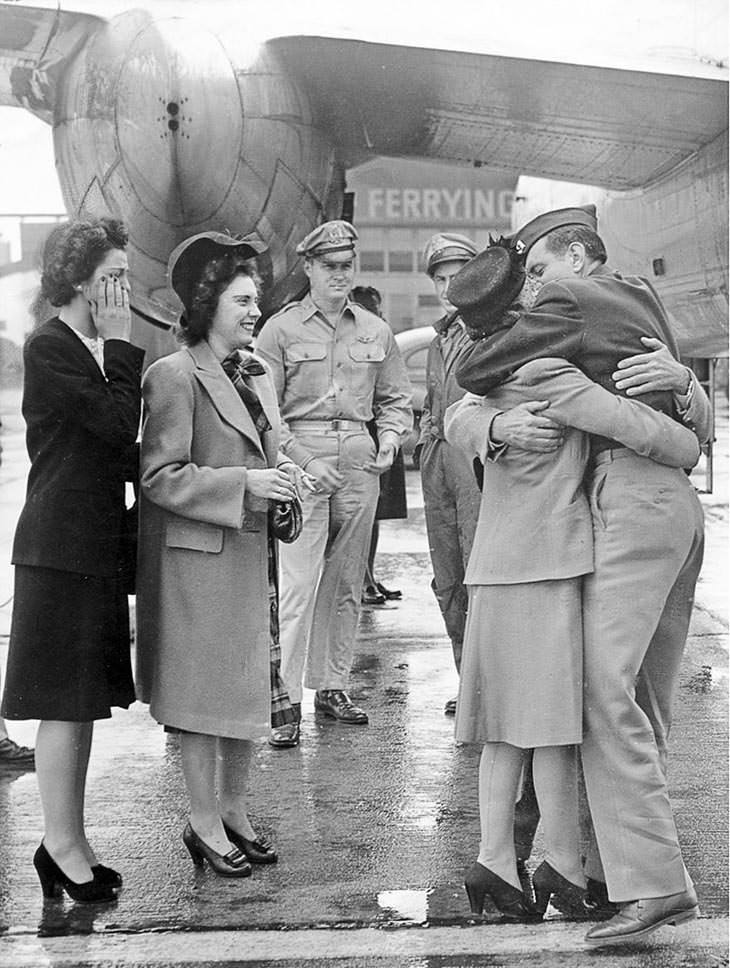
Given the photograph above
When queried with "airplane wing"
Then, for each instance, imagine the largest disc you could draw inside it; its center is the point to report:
(616, 129)
(36, 45)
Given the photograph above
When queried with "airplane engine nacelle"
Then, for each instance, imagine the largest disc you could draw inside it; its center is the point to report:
(163, 124)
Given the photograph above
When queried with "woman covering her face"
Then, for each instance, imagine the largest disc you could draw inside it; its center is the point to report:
(69, 661)
(210, 467)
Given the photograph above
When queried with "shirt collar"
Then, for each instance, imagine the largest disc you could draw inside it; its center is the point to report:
(310, 308)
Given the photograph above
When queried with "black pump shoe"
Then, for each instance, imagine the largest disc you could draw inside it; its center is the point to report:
(107, 875)
(511, 902)
(232, 864)
(54, 882)
(258, 851)
(568, 898)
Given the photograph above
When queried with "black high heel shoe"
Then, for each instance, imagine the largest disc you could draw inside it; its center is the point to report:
(258, 851)
(106, 875)
(573, 901)
(54, 882)
(232, 864)
(511, 902)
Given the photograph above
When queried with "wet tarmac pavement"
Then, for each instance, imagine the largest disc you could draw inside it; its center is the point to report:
(374, 825)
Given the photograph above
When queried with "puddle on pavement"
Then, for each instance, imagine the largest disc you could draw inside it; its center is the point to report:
(409, 905)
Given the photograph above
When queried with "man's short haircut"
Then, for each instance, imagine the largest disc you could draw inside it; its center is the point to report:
(559, 240)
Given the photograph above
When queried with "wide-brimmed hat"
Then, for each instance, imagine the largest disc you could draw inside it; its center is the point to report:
(186, 261)
(524, 239)
(487, 286)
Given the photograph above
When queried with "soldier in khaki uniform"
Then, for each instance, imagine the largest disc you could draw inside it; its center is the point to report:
(335, 366)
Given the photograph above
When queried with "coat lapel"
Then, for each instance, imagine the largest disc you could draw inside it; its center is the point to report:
(264, 386)
(222, 393)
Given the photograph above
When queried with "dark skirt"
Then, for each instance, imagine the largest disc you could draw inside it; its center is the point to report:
(69, 647)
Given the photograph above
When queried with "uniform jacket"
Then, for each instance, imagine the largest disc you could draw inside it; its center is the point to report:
(81, 432)
(534, 520)
(353, 371)
(202, 600)
(442, 389)
(593, 322)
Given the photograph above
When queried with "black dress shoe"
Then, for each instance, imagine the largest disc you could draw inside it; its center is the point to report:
(638, 918)
(284, 737)
(568, 898)
(509, 901)
(390, 594)
(107, 875)
(604, 908)
(450, 708)
(371, 596)
(232, 864)
(258, 851)
(336, 704)
(12, 754)
(54, 882)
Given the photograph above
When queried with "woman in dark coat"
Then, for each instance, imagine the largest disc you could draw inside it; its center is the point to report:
(69, 661)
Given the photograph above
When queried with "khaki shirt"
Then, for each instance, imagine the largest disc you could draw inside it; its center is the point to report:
(351, 371)
(444, 352)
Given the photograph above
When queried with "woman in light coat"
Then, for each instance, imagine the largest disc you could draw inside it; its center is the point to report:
(521, 675)
(210, 466)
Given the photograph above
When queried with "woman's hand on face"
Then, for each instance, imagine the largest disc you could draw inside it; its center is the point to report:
(109, 304)
(270, 483)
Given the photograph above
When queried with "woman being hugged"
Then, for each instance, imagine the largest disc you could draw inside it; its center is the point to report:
(210, 468)
(68, 661)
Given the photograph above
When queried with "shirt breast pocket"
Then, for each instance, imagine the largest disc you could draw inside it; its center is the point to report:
(303, 353)
(366, 352)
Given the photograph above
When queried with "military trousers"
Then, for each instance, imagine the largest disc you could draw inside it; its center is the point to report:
(322, 571)
(451, 500)
(649, 534)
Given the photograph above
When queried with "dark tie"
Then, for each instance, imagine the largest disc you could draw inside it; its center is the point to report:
(237, 368)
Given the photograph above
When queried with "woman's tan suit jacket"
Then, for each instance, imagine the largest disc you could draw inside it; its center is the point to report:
(203, 598)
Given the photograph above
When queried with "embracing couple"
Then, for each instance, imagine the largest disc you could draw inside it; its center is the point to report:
(582, 575)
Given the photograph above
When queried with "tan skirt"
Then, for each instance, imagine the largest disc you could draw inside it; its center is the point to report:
(521, 676)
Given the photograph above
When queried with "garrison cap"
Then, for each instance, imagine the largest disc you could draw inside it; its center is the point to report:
(529, 234)
(187, 260)
(487, 286)
(335, 236)
(447, 247)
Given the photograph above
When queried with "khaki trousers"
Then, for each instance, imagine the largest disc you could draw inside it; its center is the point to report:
(322, 571)
(649, 531)
(451, 500)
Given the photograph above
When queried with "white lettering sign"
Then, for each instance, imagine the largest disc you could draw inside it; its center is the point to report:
(435, 205)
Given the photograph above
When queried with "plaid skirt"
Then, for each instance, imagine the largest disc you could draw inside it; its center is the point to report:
(282, 711)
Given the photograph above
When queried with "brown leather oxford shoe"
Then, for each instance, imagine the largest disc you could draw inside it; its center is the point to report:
(336, 704)
(639, 918)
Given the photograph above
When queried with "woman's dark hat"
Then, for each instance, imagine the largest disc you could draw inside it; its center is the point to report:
(187, 260)
(487, 285)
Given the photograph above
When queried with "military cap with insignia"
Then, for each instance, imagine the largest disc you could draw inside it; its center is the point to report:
(524, 239)
(447, 247)
(487, 286)
(335, 236)
(187, 260)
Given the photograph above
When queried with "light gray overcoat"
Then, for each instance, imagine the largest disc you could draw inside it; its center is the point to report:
(202, 581)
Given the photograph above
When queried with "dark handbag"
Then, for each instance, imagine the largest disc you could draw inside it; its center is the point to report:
(285, 518)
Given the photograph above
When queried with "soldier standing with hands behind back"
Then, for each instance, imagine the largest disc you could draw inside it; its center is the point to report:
(335, 366)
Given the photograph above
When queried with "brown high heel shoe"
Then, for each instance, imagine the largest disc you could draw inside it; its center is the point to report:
(258, 851)
(232, 864)
(510, 902)
(568, 898)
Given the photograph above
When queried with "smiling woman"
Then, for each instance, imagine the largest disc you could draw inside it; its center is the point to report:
(207, 636)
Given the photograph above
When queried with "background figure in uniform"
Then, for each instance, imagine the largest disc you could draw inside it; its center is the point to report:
(69, 659)
(392, 498)
(210, 467)
(648, 542)
(335, 366)
(450, 490)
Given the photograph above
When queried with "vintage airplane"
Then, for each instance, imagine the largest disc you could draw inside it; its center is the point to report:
(199, 115)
